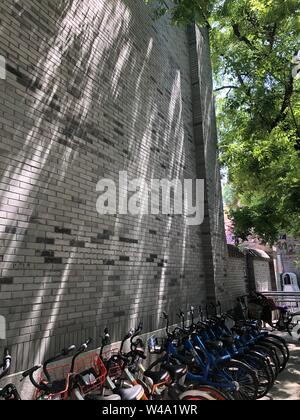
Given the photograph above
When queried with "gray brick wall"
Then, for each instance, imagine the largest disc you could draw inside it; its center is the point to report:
(236, 272)
(262, 275)
(246, 271)
(205, 135)
(93, 88)
(236, 276)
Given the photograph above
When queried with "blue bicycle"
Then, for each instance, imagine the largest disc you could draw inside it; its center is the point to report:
(239, 348)
(207, 366)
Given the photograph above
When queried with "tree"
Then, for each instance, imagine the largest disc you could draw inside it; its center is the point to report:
(185, 11)
(253, 45)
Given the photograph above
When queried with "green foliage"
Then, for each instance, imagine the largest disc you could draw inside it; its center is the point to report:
(258, 104)
(184, 11)
(253, 46)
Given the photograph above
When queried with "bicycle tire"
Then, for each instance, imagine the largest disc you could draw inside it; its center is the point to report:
(267, 363)
(280, 341)
(264, 377)
(211, 392)
(283, 342)
(271, 355)
(280, 353)
(235, 371)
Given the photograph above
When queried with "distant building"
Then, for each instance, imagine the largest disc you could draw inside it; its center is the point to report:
(287, 253)
(251, 265)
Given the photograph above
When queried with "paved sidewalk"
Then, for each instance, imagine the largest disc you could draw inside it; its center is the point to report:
(288, 385)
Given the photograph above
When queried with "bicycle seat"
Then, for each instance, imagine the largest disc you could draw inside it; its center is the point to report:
(176, 372)
(158, 377)
(213, 345)
(186, 359)
(130, 394)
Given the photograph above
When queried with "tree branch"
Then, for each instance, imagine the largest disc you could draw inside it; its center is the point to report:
(272, 36)
(237, 33)
(252, 19)
(295, 121)
(289, 90)
(246, 88)
(226, 87)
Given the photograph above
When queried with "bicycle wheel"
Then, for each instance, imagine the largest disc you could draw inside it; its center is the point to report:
(271, 355)
(234, 372)
(279, 352)
(215, 393)
(267, 362)
(204, 392)
(263, 373)
(282, 342)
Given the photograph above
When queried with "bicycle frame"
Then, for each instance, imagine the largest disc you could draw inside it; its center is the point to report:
(9, 392)
(206, 367)
(126, 372)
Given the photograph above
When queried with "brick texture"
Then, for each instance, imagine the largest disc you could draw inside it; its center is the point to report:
(247, 272)
(262, 275)
(93, 88)
(236, 272)
(213, 239)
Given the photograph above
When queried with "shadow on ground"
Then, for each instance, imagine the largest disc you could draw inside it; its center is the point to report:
(288, 385)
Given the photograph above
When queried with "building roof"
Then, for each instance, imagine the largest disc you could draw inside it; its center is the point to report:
(235, 252)
(257, 253)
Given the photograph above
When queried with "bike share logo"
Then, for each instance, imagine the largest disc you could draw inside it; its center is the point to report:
(158, 197)
(2, 328)
(2, 68)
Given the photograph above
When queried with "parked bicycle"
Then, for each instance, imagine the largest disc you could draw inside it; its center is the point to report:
(52, 383)
(261, 308)
(9, 392)
(166, 383)
(208, 365)
(218, 356)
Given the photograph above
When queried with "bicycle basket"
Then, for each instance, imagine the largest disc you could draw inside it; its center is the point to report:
(255, 311)
(60, 377)
(116, 365)
(92, 373)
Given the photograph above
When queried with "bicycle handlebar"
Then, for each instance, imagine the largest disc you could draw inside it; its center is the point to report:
(80, 350)
(5, 367)
(66, 352)
(114, 359)
(127, 337)
(30, 371)
(138, 330)
(42, 386)
(105, 341)
(165, 316)
(63, 353)
(85, 345)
